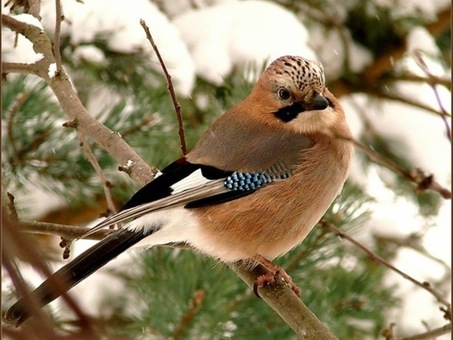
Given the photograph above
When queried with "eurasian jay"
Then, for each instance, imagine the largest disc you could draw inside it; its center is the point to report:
(252, 188)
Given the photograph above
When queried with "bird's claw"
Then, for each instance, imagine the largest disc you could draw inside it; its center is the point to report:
(277, 277)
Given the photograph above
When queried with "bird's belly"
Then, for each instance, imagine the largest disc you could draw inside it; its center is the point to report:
(269, 224)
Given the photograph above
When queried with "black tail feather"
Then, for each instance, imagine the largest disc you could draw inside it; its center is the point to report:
(74, 272)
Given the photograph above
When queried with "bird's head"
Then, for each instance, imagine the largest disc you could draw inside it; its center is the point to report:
(292, 92)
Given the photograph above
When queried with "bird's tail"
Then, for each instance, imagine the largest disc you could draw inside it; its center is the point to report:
(74, 272)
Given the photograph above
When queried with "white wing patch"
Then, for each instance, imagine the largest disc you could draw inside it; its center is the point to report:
(191, 193)
(195, 179)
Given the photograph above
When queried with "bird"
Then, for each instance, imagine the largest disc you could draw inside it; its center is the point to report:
(252, 188)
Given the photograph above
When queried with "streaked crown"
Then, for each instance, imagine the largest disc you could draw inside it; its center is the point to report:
(302, 72)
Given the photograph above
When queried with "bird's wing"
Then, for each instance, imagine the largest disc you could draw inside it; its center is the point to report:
(192, 185)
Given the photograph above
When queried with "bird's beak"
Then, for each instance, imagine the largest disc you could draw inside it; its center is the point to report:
(319, 102)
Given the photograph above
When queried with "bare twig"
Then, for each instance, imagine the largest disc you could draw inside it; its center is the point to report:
(419, 79)
(106, 184)
(18, 68)
(444, 113)
(413, 242)
(390, 96)
(170, 88)
(65, 231)
(13, 243)
(45, 330)
(197, 299)
(430, 334)
(417, 176)
(56, 44)
(34, 8)
(389, 333)
(425, 285)
(11, 114)
(12, 207)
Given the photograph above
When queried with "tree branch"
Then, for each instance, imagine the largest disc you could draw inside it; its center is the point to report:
(12, 246)
(18, 68)
(73, 107)
(34, 8)
(425, 285)
(425, 69)
(430, 334)
(417, 176)
(281, 298)
(106, 184)
(373, 75)
(65, 231)
(56, 44)
(170, 88)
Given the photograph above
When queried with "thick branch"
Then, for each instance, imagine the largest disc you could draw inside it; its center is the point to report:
(73, 107)
(284, 302)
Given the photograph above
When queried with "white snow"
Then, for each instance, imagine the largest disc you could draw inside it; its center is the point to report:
(88, 21)
(414, 7)
(52, 70)
(17, 48)
(332, 52)
(221, 36)
(89, 53)
(19, 52)
(240, 34)
(28, 19)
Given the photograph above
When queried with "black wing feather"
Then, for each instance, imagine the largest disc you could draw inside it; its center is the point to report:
(172, 174)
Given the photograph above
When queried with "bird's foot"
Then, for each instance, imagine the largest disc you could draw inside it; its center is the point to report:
(276, 275)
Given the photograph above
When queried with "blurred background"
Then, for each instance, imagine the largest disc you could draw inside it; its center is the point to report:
(388, 62)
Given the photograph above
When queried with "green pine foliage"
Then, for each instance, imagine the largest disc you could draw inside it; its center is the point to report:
(178, 292)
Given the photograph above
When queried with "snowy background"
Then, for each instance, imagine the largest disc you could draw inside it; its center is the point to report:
(213, 40)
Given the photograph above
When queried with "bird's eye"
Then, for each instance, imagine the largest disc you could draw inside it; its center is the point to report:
(284, 94)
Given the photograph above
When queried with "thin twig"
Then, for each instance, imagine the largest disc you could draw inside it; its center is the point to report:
(67, 232)
(56, 44)
(425, 285)
(34, 8)
(444, 113)
(170, 88)
(15, 243)
(417, 176)
(106, 184)
(11, 115)
(45, 330)
(194, 306)
(12, 207)
(389, 96)
(18, 68)
(430, 334)
(413, 242)
(420, 79)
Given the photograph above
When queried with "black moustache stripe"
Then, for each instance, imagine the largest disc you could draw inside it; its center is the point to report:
(290, 112)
